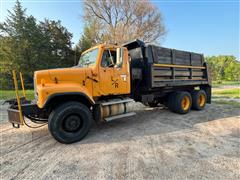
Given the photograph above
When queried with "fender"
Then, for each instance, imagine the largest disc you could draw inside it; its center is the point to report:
(68, 94)
(46, 94)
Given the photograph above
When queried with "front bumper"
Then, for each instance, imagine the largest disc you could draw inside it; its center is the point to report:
(30, 110)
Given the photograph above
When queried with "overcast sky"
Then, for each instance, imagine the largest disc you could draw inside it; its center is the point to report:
(209, 27)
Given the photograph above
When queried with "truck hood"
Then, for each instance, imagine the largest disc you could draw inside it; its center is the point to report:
(68, 74)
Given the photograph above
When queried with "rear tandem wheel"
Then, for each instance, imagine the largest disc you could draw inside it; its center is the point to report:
(180, 102)
(199, 99)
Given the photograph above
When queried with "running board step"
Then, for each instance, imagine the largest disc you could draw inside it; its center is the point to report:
(117, 102)
(119, 116)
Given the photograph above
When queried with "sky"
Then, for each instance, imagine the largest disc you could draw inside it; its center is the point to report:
(209, 27)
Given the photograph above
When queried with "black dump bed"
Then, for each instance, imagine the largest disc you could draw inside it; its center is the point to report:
(154, 66)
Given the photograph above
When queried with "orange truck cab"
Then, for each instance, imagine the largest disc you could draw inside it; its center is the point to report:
(98, 73)
(105, 82)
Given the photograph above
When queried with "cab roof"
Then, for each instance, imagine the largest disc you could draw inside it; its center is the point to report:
(102, 46)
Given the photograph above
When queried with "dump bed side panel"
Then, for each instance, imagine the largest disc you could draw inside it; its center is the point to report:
(171, 56)
(174, 68)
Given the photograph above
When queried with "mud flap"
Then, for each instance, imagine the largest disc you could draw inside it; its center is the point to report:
(208, 90)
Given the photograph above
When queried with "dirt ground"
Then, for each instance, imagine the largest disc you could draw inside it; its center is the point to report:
(154, 144)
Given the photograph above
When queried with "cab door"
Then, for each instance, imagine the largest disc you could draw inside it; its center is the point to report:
(121, 72)
(106, 73)
(114, 75)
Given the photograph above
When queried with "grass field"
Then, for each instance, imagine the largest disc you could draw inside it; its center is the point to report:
(225, 83)
(232, 103)
(9, 94)
(227, 93)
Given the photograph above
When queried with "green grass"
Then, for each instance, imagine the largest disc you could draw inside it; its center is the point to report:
(221, 96)
(9, 94)
(231, 103)
(224, 83)
(227, 93)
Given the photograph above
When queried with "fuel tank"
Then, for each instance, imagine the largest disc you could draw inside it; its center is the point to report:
(113, 109)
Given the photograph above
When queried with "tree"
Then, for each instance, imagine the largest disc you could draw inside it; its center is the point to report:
(5, 62)
(224, 68)
(90, 36)
(14, 25)
(57, 45)
(27, 45)
(121, 20)
(14, 42)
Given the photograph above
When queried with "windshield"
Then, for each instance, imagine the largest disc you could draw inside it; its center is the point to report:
(88, 58)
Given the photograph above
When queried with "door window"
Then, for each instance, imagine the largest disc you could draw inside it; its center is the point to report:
(109, 58)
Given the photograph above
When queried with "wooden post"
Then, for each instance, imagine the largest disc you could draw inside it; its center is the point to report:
(17, 96)
(22, 83)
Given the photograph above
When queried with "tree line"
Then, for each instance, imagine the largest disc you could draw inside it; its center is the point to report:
(28, 45)
(224, 68)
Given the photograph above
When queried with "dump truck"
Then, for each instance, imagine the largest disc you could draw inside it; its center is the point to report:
(107, 79)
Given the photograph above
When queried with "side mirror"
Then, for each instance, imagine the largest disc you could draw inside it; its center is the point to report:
(119, 57)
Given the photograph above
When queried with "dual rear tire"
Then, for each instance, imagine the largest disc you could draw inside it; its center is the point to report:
(181, 102)
(199, 99)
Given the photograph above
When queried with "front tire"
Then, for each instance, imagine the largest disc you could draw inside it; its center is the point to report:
(70, 122)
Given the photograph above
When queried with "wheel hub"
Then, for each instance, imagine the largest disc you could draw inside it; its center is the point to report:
(72, 123)
(185, 103)
(201, 100)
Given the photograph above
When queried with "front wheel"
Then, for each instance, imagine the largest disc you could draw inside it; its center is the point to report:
(70, 122)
